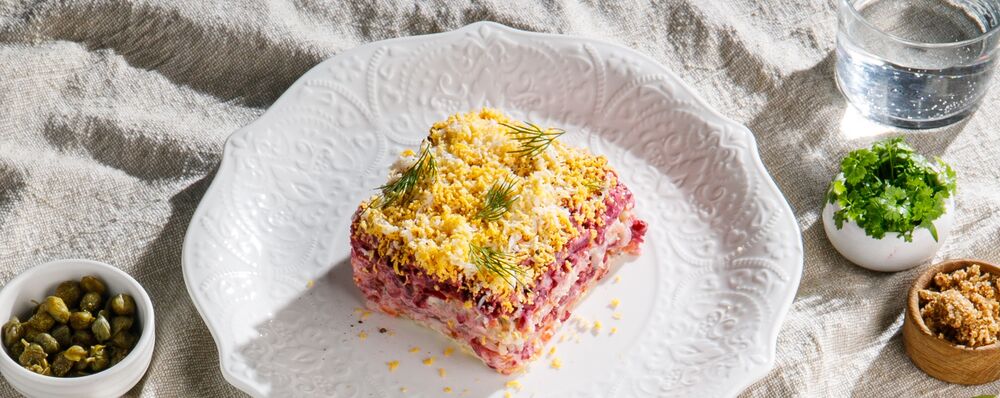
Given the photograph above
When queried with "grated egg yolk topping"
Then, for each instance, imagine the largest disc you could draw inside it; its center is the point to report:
(436, 227)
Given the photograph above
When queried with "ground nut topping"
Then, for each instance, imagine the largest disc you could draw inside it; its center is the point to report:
(962, 307)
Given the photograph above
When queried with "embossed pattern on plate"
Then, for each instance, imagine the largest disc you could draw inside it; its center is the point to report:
(266, 254)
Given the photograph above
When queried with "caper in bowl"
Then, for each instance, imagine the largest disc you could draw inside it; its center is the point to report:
(75, 328)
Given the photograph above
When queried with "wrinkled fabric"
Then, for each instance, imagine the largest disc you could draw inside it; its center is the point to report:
(113, 114)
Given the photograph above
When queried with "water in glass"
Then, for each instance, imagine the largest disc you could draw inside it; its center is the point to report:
(916, 63)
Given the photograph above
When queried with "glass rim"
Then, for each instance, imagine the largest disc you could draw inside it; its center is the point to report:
(857, 14)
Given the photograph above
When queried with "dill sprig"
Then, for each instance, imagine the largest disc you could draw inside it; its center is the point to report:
(499, 199)
(594, 186)
(490, 260)
(424, 169)
(534, 140)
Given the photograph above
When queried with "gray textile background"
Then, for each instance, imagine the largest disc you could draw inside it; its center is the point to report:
(113, 114)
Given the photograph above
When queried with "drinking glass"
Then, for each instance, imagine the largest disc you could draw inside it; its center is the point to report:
(916, 64)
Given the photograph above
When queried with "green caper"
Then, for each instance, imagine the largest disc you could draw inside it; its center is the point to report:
(123, 304)
(75, 353)
(48, 343)
(100, 357)
(16, 349)
(83, 338)
(120, 323)
(41, 321)
(63, 335)
(90, 302)
(83, 364)
(91, 284)
(124, 339)
(81, 320)
(13, 331)
(61, 365)
(41, 368)
(69, 292)
(33, 355)
(101, 328)
(118, 355)
(56, 307)
(31, 333)
(79, 373)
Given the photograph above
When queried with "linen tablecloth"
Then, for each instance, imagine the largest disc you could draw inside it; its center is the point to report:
(113, 115)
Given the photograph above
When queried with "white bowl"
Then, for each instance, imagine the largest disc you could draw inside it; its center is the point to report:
(891, 253)
(40, 281)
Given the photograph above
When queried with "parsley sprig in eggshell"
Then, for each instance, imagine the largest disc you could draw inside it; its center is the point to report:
(890, 188)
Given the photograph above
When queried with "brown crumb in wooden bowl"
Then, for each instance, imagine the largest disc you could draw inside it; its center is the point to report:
(962, 306)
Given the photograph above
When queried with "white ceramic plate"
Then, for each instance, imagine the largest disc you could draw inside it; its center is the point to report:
(266, 254)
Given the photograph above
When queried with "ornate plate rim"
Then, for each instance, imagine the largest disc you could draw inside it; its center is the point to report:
(795, 265)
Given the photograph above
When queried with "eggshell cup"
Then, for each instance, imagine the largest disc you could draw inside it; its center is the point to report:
(891, 253)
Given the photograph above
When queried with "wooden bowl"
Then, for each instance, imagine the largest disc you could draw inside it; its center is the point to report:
(940, 358)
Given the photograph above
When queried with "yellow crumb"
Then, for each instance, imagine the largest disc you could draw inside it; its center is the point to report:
(429, 361)
(448, 351)
(514, 385)
(618, 279)
(613, 330)
(614, 303)
(359, 310)
(506, 394)
(310, 284)
(402, 389)
(441, 372)
(467, 305)
(392, 365)
(616, 315)
(552, 351)
(562, 338)
(392, 332)
(415, 349)
(451, 324)
(556, 363)
(597, 326)
(447, 390)
(362, 335)
(365, 314)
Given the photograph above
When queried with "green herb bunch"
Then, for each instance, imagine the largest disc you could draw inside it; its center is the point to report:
(889, 188)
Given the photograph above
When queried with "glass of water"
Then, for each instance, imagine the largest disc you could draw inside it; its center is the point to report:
(916, 64)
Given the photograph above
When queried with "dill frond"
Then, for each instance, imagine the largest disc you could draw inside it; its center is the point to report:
(401, 190)
(490, 260)
(533, 139)
(499, 199)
